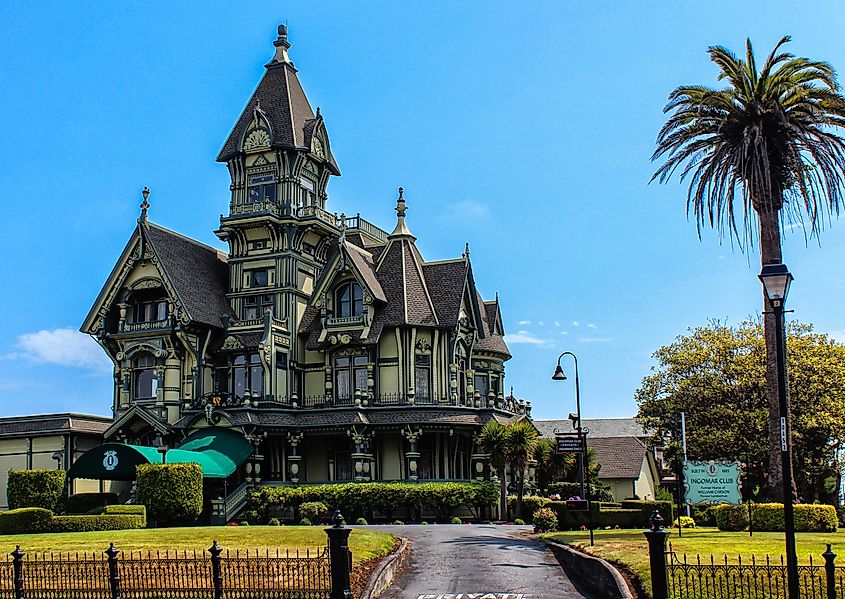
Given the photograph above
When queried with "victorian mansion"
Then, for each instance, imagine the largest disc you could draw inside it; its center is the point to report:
(320, 347)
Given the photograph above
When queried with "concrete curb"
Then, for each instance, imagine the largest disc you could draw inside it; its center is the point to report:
(592, 572)
(384, 573)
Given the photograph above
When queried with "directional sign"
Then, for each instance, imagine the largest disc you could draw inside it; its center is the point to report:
(569, 444)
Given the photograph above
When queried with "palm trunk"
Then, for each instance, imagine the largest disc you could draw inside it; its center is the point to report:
(520, 490)
(770, 252)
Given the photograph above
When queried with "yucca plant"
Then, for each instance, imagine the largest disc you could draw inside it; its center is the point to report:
(521, 441)
(494, 442)
(764, 149)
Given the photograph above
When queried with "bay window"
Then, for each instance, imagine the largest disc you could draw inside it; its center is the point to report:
(350, 375)
(145, 376)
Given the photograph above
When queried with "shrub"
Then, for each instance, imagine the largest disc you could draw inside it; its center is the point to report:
(361, 521)
(362, 500)
(457, 520)
(685, 522)
(36, 488)
(92, 523)
(840, 512)
(704, 515)
(530, 503)
(567, 490)
(519, 521)
(25, 520)
(646, 509)
(423, 523)
(398, 523)
(274, 522)
(84, 503)
(768, 517)
(128, 509)
(314, 510)
(243, 523)
(545, 520)
(171, 492)
(305, 522)
(731, 517)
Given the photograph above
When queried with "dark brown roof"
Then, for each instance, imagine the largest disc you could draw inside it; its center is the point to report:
(333, 417)
(598, 427)
(43, 424)
(283, 101)
(363, 261)
(446, 283)
(490, 342)
(619, 457)
(400, 271)
(198, 272)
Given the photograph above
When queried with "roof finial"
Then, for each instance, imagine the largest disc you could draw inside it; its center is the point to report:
(145, 205)
(342, 238)
(282, 45)
(318, 112)
(466, 251)
(401, 209)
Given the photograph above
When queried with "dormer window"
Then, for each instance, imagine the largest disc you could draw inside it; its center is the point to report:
(261, 188)
(149, 307)
(145, 377)
(349, 300)
(307, 191)
(256, 305)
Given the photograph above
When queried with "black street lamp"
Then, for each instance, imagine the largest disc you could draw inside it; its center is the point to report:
(163, 451)
(559, 375)
(776, 280)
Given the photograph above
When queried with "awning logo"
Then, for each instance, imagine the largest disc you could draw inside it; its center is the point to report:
(110, 460)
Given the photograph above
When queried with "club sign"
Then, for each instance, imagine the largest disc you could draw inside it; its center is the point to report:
(712, 483)
(569, 445)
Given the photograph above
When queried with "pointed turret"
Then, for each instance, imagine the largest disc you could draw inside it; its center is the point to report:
(401, 229)
(288, 121)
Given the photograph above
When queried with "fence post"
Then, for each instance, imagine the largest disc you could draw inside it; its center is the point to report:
(656, 537)
(216, 571)
(114, 577)
(830, 572)
(340, 556)
(17, 564)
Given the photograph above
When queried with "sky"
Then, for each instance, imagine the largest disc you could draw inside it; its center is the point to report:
(525, 129)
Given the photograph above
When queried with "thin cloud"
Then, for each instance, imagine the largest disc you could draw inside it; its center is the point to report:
(595, 340)
(61, 347)
(524, 338)
(592, 326)
(470, 209)
(524, 322)
(575, 323)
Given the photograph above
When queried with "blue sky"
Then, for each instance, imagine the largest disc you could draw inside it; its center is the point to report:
(523, 128)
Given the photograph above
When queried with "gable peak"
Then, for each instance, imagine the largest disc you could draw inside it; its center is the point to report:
(282, 46)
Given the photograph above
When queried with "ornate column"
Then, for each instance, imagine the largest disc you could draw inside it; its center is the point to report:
(362, 457)
(480, 460)
(294, 459)
(412, 456)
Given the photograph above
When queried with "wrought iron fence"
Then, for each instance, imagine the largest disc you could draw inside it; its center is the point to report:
(764, 578)
(210, 574)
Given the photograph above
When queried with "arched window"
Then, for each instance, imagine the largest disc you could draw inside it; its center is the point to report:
(145, 377)
(349, 300)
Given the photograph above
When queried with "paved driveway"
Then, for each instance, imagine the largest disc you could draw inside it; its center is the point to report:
(461, 561)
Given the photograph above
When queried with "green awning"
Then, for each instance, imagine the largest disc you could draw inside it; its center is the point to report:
(219, 452)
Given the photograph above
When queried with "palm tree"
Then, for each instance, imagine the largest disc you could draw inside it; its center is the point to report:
(551, 465)
(494, 442)
(521, 440)
(768, 139)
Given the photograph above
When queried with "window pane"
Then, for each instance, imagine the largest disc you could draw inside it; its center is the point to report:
(145, 383)
(422, 375)
(240, 380)
(251, 313)
(221, 380)
(360, 379)
(342, 384)
(254, 195)
(270, 193)
(162, 310)
(256, 380)
(360, 360)
(240, 360)
(423, 360)
(259, 278)
(481, 384)
(341, 362)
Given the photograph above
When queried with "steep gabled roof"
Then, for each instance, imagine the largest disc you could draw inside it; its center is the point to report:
(198, 273)
(619, 457)
(491, 341)
(400, 269)
(446, 281)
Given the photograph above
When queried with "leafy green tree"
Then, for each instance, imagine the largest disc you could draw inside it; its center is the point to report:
(766, 140)
(521, 441)
(716, 374)
(494, 442)
(552, 466)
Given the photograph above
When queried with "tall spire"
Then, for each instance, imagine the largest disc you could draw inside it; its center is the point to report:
(145, 205)
(282, 45)
(401, 229)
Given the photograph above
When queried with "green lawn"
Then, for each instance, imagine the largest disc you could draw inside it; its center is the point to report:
(364, 544)
(631, 548)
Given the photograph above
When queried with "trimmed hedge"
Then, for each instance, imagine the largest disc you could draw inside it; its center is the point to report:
(768, 517)
(84, 503)
(363, 499)
(84, 523)
(568, 489)
(25, 520)
(625, 514)
(36, 488)
(171, 492)
(127, 510)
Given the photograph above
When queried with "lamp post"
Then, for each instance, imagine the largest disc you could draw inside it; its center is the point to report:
(559, 375)
(776, 280)
(163, 451)
(59, 457)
